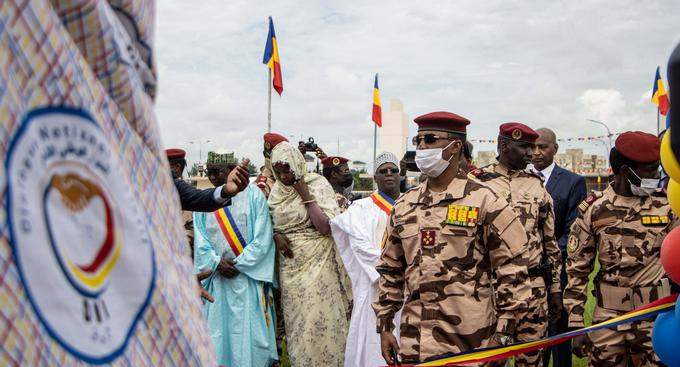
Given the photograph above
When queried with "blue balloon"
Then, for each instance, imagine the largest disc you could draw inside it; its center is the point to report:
(665, 337)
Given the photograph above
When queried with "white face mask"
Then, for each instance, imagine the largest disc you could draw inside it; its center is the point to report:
(430, 161)
(647, 186)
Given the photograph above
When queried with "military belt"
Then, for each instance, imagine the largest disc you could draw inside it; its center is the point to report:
(629, 298)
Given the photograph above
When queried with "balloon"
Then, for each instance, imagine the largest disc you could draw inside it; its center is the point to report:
(668, 159)
(673, 194)
(670, 255)
(665, 336)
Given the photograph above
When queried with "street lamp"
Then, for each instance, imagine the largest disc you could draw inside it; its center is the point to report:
(609, 133)
(200, 148)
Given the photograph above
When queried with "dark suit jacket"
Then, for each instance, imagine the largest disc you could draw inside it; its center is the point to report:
(568, 190)
(196, 200)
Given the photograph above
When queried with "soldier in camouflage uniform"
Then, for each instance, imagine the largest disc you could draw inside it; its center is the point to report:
(524, 190)
(623, 228)
(447, 237)
(336, 171)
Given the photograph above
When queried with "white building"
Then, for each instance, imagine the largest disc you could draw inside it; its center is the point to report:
(393, 134)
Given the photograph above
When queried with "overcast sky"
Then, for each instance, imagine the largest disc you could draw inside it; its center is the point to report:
(545, 63)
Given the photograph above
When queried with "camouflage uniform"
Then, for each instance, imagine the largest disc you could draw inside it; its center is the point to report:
(533, 204)
(626, 234)
(188, 219)
(441, 252)
(343, 203)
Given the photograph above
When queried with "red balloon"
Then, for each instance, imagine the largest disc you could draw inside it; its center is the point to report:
(670, 255)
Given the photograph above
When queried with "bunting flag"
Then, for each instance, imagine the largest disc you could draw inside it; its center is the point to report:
(230, 230)
(271, 58)
(659, 96)
(666, 304)
(377, 108)
(384, 202)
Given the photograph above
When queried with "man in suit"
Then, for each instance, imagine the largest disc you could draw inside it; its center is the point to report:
(208, 200)
(567, 190)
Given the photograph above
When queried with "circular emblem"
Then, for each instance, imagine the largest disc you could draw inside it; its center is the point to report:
(517, 134)
(336, 161)
(77, 232)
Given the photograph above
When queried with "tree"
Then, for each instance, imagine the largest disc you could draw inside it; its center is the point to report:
(362, 184)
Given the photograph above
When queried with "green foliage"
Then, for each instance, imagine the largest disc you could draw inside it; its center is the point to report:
(362, 184)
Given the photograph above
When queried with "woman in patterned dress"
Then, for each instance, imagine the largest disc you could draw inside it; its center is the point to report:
(314, 283)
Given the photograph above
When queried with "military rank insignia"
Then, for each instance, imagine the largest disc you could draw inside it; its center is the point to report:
(655, 220)
(464, 216)
(572, 245)
(427, 238)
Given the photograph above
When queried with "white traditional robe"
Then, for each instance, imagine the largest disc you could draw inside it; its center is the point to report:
(358, 234)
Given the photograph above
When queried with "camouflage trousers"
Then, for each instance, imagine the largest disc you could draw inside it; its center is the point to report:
(628, 343)
(533, 324)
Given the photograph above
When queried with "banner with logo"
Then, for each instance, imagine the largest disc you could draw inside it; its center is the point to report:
(90, 271)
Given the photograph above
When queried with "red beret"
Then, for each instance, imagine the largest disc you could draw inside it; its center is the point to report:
(518, 131)
(271, 140)
(638, 146)
(442, 121)
(175, 153)
(333, 161)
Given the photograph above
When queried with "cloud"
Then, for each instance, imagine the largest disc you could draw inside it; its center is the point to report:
(549, 64)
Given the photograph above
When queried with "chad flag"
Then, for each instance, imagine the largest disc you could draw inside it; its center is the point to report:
(271, 58)
(659, 96)
(377, 109)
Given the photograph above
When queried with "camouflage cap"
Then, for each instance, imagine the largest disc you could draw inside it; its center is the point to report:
(226, 159)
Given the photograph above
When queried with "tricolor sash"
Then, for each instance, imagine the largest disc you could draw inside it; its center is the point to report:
(230, 230)
(666, 304)
(384, 202)
(266, 301)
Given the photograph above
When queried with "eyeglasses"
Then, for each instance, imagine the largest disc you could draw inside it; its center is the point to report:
(390, 170)
(429, 139)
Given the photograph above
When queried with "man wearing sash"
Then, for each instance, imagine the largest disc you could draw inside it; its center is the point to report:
(359, 234)
(235, 243)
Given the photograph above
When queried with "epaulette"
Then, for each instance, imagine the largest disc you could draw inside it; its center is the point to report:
(533, 173)
(590, 199)
(481, 175)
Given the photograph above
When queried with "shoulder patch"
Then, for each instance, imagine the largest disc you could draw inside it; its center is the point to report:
(590, 199)
(482, 175)
(476, 172)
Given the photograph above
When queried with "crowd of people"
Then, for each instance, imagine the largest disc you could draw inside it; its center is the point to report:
(469, 258)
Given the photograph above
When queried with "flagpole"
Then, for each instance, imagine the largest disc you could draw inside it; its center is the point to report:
(658, 121)
(269, 103)
(375, 143)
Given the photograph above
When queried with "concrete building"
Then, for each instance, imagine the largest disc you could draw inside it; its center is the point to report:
(358, 166)
(574, 160)
(393, 135)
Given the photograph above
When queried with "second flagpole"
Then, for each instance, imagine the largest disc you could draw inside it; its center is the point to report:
(269, 103)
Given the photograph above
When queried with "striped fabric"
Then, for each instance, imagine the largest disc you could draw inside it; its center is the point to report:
(97, 56)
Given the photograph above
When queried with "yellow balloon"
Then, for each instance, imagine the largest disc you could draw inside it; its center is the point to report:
(673, 194)
(668, 159)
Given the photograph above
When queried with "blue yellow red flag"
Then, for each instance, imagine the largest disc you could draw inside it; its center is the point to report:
(377, 109)
(271, 58)
(659, 96)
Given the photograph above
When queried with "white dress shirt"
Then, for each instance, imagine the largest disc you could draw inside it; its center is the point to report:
(548, 171)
